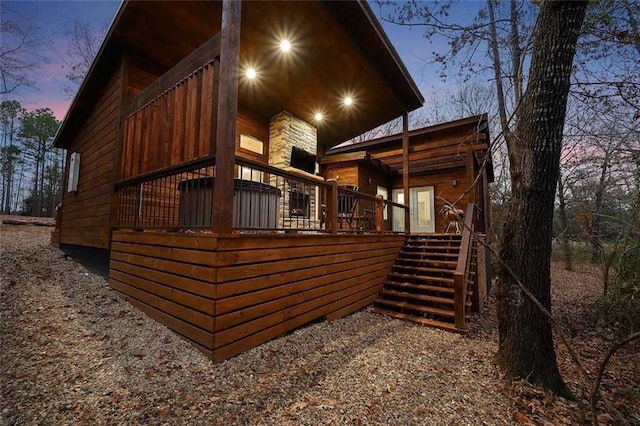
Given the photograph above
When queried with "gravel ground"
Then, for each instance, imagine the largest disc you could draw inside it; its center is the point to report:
(74, 352)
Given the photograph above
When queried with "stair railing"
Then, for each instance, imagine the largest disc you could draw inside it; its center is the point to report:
(462, 269)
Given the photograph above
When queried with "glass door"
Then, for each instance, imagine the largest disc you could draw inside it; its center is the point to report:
(422, 210)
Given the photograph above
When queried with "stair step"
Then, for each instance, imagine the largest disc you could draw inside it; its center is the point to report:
(418, 320)
(435, 242)
(418, 308)
(425, 270)
(448, 263)
(427, 253)
(430, 248)
(415, 296)
(422, 278)
(419, 287)
(436, 237)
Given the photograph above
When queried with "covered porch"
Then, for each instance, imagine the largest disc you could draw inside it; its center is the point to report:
(221, 227)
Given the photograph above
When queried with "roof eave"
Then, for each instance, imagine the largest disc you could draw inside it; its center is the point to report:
(57, 140)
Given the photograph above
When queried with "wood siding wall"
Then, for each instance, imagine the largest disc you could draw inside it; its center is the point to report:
(268, 286)
(434, 160)
(86, 212)
(442, 182)
(170, 277)
(174, 128)
(229, 294)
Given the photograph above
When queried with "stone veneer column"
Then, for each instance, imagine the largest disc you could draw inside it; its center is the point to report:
(285, 132)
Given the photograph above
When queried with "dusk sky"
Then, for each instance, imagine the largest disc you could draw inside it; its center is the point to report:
(51, 16)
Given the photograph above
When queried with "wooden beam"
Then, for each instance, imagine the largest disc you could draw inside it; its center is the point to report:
(350, 156)
(405, 171)
(471, 174)
(379, 213)
(227, 109)
(332, 208)
(486, 207)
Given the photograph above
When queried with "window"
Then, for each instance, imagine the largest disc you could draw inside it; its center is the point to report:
(252, 144)
(74, 172)
(247, 173)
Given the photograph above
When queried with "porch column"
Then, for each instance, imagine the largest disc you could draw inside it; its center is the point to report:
(227, 111)
(405, 171)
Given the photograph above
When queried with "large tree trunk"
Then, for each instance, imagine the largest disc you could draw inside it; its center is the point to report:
(526, 344)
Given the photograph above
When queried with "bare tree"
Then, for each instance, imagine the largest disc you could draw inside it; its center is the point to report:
(11, 113)
(20, 50)
(531, 123)
(82, 41)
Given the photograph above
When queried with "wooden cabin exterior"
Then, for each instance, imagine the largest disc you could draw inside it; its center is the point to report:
(199, 178)
(448, 159)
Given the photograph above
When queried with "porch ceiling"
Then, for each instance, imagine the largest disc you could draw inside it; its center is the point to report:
(338, 49)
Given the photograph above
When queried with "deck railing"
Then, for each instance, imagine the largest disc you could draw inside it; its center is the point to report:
(463, 277)
(289, 201)
(266, 199)
(158, 200)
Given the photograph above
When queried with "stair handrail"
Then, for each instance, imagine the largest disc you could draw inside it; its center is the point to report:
(459, 276)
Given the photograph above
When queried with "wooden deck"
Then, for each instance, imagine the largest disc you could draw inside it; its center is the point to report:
(229, 294)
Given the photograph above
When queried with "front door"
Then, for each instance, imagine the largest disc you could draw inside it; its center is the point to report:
(421, 207)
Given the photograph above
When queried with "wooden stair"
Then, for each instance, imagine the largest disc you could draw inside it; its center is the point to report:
(420, 287)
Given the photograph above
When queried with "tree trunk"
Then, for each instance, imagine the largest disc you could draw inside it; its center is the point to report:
(596, 243)
(526, 343)
(564, 224)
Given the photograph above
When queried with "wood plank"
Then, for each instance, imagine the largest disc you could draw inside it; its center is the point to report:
(206, 109)
(189, 300)
(202, 55)
(276, 279)
(337, 292)
(263, 310)
(190, 271)
(198, 241)
(248, 271)
(249, 242)
(270, 254)
(229, 304)
(202, 339)
(249, 342)
(195, 257)
(190, 316)
(190, 285)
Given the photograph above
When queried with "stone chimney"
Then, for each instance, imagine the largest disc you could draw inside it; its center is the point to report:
(299, 207)
(287, 131)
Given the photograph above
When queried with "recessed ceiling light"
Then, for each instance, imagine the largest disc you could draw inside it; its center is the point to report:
(348, 100)
(285, 46)
(318, 116)
(251, 73)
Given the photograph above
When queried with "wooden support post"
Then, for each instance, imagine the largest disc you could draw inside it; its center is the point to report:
(459, 297)
(332, 208)
(481, 275)
(486, 207)
(471, 173)
(227, 111)
(379, 213)
(405, 171)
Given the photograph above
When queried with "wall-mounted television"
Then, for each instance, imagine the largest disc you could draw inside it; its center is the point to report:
(303, 160)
